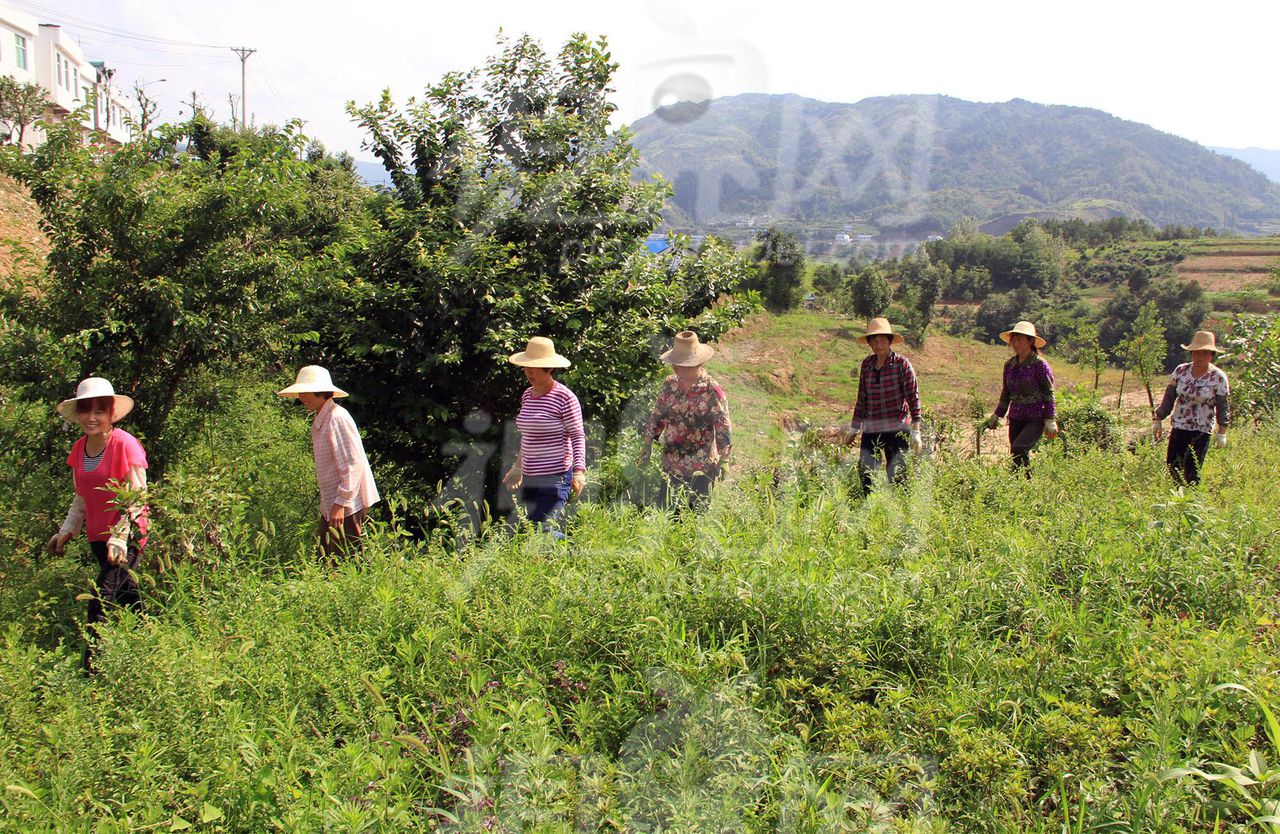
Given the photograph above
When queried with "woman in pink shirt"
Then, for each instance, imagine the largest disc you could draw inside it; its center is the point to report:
(552, 462)
(344, 476)
(103, 459)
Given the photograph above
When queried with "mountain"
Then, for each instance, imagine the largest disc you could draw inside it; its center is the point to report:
(1268, 162)
(919, 163)
(373, 173)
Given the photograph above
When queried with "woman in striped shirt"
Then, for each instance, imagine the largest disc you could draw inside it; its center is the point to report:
(552, 462)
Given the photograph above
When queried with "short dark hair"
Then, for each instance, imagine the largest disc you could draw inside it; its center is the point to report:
(327, 395)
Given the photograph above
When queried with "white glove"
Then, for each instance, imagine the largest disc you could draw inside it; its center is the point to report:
(1220, 440)
(1157, 429)
(1051, 428)
(917, 443)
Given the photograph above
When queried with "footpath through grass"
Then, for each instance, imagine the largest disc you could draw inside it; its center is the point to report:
(971, 653)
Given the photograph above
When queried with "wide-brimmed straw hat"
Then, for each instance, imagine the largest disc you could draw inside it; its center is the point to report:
(1204, 340)
(91, 388)
(539, 353)
(312, 379)
(687, 351)
(1026, 328)
(881, 327)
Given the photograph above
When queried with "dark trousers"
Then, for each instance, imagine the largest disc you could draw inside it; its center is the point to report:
(1023, 434)
(544, 497)
(892, 446)
(681, 492)
(1186, 455)
(116, 587)
(342, 541)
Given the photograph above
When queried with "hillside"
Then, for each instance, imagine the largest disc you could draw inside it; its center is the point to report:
(22, 243)
(1265, 160)
(919, 163)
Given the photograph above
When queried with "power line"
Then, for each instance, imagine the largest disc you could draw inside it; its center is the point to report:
(104, 29)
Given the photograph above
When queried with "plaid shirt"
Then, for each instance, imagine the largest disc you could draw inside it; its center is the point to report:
(342, 469)
(888, 398)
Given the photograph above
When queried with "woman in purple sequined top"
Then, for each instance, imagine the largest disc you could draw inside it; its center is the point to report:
(1027, 395)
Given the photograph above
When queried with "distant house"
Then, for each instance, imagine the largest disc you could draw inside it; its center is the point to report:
(843, 239)
(41, 53)
(864, 238)
(932, 238)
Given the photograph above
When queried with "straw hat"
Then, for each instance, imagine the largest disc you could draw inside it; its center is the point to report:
(312, 379)
(881, 327)
(539, 353)
(1026, 328)
(687, 351)
(96, 386)
(1203, 340)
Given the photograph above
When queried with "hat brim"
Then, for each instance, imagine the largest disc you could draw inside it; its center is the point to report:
(522, 359)
(687, 360)
(894, 338)
(308, 388)
(123, 407)
(1213, 348)
(1038, 340)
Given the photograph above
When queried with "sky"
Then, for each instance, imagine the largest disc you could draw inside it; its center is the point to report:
(1204, 71)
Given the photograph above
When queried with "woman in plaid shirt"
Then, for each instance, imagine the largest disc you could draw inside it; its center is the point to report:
(888, 408)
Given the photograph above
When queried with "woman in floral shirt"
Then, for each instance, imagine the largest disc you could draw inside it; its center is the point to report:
(692, 416)
(1200, 390)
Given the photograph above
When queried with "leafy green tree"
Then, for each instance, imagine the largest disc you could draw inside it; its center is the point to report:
(1042, 256)
(514, 212)
(21, 103)
(780, 269)
(1144, 349)
(190, 249)
(1086, 349)
(869, 293)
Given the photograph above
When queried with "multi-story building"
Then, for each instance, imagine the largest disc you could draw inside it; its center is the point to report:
(43, 53)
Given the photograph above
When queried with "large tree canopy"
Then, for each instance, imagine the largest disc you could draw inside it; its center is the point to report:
(513, 213)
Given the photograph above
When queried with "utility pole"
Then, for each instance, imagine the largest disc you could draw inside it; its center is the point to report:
(244, 53)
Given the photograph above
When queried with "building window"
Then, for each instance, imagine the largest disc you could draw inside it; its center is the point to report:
(57, 61)
(75, 83)
(20, 51)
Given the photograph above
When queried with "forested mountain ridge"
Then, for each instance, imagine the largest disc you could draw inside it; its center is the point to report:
(919, 163)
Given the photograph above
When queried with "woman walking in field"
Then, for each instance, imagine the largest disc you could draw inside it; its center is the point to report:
(552, 462)
(1026, 396)
(103, 459)
(887, 411)
(344, 476)
(691, 414)
(1200, 391)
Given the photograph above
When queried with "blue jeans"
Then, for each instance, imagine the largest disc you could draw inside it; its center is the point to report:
(543, 498)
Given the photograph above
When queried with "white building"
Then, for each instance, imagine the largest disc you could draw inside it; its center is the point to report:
(43, 53)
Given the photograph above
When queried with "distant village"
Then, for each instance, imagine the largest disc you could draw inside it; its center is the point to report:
(821, 242)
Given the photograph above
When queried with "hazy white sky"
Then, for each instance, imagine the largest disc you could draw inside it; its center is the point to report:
(1202, 70)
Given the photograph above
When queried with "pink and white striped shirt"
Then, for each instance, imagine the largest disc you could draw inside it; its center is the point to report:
(342, 469)
(552, 440)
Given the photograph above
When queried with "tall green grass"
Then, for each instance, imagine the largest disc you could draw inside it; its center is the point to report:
(973, 652)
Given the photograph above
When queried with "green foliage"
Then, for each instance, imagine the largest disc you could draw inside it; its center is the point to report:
(1254, 365)
(869, 292)
(514, 213)
(21, 103)
(165, 261)
(948, 654)
(1085, 422)
(1144, 349)
(1084, 347)
(780, 266)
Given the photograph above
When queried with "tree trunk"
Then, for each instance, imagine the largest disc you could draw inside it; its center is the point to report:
(1120, 399)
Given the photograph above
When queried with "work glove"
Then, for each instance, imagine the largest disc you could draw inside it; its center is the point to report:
(1220, 440)
(1051, 429)
(992, 423)
(917, 443)
(1157, 430)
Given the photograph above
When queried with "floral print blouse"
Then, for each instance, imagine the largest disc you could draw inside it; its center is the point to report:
(1198, 400)
(694, 424)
